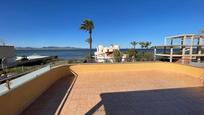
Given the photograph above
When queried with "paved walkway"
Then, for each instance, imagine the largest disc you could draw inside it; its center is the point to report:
(125, 93)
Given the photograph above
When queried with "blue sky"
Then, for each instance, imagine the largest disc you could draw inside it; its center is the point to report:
(38, 23)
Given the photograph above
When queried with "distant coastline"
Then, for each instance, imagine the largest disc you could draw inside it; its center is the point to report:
(48, 48)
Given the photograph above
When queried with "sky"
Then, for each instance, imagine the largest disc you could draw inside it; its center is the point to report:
(38, 23)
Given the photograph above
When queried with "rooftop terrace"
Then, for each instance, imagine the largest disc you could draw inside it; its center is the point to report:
(141, 88)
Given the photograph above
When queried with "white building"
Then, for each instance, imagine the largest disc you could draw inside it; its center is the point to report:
(104, 54)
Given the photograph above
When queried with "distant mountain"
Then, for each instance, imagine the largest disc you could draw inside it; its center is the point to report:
(47, 48)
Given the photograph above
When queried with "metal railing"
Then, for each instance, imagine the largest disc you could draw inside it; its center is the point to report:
(10, 82)
(7, 75)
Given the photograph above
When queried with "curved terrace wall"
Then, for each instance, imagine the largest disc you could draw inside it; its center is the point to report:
(17, 99)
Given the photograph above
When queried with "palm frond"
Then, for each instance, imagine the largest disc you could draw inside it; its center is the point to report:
(134, 43)
(145, 44)
(87, 25)
(82, 27)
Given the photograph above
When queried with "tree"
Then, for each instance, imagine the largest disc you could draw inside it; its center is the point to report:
(131, 54)
(145, 44)
(133, 43)
(142, 44)
(117, 56)
(88, 26)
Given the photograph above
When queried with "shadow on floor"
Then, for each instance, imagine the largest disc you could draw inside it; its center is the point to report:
(179, 101)
(49, 101)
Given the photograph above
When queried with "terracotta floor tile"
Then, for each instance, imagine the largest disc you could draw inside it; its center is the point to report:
(136, 93)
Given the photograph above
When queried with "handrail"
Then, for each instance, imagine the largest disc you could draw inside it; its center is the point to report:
(23, 79)
(6, 77)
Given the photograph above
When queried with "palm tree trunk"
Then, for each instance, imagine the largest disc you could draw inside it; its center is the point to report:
(90, 46)
(134, 54)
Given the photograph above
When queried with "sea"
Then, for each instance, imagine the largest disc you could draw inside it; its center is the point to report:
(61, 54)
(64, 54)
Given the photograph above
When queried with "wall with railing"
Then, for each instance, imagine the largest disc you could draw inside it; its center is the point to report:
(24, 90)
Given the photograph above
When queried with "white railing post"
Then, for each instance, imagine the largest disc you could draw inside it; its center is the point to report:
(171, 54)
(155, 52)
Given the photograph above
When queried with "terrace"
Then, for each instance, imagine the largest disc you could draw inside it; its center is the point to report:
(139, 88)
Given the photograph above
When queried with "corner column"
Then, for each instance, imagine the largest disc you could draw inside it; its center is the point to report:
(155, 52)
(191, 47)
(171, 54)
(199, 47)
(183, 49)
(171, 51)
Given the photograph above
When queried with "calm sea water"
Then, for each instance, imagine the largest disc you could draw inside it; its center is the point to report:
(62, 54)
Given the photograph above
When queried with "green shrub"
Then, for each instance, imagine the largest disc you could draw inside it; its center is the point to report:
(131, 52)
(148, 56)
(144, 56)
(117, 56)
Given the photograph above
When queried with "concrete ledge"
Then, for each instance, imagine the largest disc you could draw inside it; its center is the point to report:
(164, 66)
(196, 64)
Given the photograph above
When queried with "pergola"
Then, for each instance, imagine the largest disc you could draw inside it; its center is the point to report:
(186, 48)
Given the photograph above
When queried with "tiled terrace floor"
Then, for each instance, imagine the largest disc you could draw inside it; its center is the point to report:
(127, 93)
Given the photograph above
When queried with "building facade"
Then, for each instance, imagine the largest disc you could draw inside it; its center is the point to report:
(104, 54)
(184, 48)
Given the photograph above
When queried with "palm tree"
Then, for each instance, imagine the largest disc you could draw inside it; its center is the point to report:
(142, 44)
(88, 26)
(145, 44)
(133, 43)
